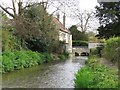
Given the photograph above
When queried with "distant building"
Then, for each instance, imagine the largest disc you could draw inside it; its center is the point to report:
(64, 34)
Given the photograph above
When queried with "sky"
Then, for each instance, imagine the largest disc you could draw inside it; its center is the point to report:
(83, 5)
(88, 5)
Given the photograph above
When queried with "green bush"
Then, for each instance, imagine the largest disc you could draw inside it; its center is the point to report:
(95, 75)
(80, 43)
(47, 58)
(97, 51)
(111, 50)
(9, 42)
(83, 78)
(63, 56)
(23, 59)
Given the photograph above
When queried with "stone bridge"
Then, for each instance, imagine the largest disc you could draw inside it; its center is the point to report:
(80, 49)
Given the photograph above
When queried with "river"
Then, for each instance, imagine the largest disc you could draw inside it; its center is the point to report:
(51, 75)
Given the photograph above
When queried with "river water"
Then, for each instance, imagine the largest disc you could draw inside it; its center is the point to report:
(52, 75)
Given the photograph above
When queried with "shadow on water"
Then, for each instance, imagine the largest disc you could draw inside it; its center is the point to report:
(55, 75)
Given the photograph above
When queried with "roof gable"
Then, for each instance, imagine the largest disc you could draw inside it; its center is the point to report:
(60, 25)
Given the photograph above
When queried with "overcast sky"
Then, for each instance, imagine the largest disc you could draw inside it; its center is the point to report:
(83, 5)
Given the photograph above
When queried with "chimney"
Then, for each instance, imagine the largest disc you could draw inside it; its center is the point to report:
(58, 16)
(64, 17)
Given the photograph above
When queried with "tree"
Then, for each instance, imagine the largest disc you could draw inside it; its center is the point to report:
(34, 27)
(91, 36)
(109, 18)
(85, 19)
(77, 35)
(18, 6)
(37, 29)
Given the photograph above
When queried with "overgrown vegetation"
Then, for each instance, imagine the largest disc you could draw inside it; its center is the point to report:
(30, 39)
(112, 49)
(97, 51)
(95, 75)
(101, 75)
(10, 42)
(23, 59)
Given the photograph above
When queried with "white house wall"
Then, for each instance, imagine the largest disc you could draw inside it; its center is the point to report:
(68, 40)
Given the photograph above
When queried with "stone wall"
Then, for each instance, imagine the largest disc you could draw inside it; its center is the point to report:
(80, 49)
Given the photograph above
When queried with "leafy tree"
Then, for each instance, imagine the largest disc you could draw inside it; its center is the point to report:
(109, 17)
(91, 36)
(77, 35)
(37, 29)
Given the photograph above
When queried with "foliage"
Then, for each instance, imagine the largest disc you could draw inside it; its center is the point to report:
(95, 75)
(9, 41)
(22, 59)
(79, 43)
(91, 37)
(97, 51)
(36, 29)
(63, 56)
(78, 35)
(81, 81)
(111, 50)
(109, 17)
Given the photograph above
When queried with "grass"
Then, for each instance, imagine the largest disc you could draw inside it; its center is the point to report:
(96, 75)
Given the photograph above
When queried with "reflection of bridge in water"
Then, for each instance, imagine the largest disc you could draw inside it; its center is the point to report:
(80, 49)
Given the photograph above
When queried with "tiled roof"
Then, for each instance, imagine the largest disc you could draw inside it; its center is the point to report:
(60, 25)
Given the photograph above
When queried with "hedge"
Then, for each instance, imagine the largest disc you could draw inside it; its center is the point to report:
(79, 43)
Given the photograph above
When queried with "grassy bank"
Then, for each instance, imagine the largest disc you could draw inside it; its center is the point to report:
(96, 75)
(23, 59)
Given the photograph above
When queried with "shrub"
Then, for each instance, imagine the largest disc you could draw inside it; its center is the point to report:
(95, 75)
(111, 50)
(63, 56)
(47, 58)
(83, 78)
(97, 51)
(23, 59)
(80, 43)
(9, 42)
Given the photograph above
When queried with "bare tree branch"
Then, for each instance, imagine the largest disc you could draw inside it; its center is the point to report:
(4, 9)
(14, 9)
(19, 7)
(9, 8)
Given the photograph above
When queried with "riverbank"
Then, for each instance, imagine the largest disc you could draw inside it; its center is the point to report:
(24, 59)
(97, 75)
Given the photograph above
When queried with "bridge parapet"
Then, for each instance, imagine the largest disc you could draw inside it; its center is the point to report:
(80, 49)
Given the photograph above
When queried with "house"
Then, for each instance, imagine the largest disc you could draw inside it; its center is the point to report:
(64, 34)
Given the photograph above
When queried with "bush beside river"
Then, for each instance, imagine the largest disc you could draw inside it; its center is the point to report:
(23, 59)
(96, 75)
